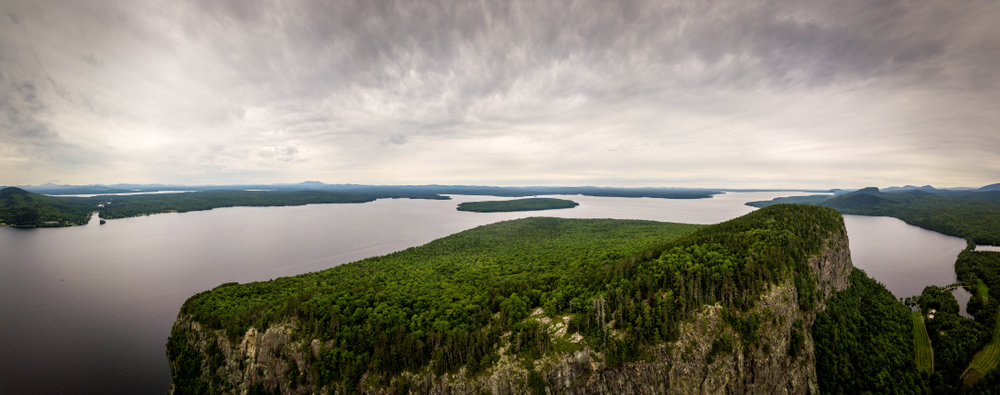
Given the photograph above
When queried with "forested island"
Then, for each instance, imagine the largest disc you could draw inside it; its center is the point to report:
(971, 215)
(22, 208)
(530, 204)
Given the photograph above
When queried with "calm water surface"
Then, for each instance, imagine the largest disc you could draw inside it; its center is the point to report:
(87, 310)
(904, 257)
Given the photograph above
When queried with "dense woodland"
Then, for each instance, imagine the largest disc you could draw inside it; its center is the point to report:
(864, 342)
(971, 215)
(530, 204)
(447, 304)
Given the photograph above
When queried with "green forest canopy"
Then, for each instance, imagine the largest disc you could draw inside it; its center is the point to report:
(446, 304)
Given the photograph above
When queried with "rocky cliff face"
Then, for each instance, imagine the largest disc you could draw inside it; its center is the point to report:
(711, 356)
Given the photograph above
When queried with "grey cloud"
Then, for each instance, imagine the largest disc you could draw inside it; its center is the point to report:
(343, 78)
(478, 50)
(396, 139)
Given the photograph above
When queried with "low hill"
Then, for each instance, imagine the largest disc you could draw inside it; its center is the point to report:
(868, 190)
(857, 201)
(991, 187)
(25, 209)
(968, 214)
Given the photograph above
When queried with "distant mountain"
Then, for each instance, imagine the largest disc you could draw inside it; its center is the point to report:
(926, 188)
(869, 190)
(991, 187)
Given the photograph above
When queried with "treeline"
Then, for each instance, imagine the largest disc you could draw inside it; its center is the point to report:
(658, 193)
(447, 304)
(124, 206)
(530, 204)
(971, 215)
(399, 190)
(22, 208)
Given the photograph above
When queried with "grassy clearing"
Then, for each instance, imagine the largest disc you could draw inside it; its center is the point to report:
(982, 288)
(922, 344)
(985, 360)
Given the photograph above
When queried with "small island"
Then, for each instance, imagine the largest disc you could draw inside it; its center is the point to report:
(530, 204)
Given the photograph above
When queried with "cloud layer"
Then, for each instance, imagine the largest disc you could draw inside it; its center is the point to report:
(631, 93)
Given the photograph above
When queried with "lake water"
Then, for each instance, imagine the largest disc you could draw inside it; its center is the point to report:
(904, 257)
(87, 310)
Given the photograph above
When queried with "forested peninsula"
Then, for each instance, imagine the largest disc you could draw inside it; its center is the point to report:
(546, 305)
(973, 215)
(19, 207)
(530, 204)
(22, 208)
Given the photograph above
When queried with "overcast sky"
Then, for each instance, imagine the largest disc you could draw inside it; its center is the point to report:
(801, 94)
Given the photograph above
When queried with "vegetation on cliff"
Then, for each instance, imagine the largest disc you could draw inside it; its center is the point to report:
(971, 215)
(530, 204)
(626, 285)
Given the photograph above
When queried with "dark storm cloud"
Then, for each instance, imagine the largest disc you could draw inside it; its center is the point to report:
(518, 91)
